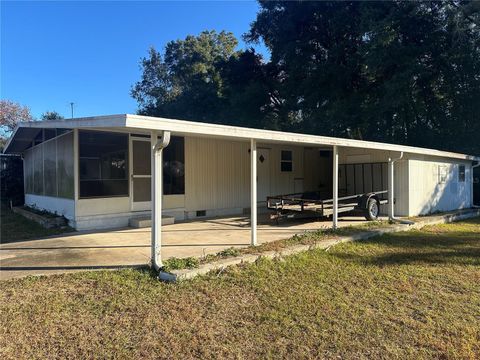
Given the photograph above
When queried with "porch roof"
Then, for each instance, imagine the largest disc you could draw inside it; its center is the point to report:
(25, 132)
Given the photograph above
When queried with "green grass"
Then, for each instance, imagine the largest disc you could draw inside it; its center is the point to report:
(14, 227)
(411, 295)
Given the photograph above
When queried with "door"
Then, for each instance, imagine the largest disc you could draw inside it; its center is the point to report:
(263, 174)
(141, 174)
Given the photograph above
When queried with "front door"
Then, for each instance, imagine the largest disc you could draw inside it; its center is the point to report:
(263, 174)
(140, 174)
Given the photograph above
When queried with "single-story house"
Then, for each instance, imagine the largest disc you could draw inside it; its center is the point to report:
(97, 171)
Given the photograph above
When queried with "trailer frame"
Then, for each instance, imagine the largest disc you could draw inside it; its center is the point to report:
(311, 204)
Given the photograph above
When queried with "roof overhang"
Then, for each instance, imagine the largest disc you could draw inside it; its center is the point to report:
(26, 131)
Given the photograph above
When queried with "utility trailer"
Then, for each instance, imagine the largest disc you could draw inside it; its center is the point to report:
(363, 190)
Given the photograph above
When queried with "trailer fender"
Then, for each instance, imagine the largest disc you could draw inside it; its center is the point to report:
(363, 201)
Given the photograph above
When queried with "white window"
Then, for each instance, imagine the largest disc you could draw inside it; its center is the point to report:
(442, 174)
(461, 173)
(286, 162)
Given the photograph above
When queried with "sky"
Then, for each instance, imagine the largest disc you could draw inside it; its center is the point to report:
(57, 52)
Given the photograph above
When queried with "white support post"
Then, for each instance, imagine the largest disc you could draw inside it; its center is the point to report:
(335, 188)
(157, 146)
(391, 205)
(253, 192)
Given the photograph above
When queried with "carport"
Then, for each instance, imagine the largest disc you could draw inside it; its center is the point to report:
(85, 169)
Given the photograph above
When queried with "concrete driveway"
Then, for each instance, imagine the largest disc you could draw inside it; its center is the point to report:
(131, 247)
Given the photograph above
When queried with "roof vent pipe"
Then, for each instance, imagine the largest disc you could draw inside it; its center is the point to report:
(391, 191)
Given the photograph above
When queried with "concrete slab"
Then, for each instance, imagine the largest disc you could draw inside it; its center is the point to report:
(131, 247)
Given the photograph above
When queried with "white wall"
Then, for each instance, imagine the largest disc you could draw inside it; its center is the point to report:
(217, 174)
(64, 207)
(428, 194)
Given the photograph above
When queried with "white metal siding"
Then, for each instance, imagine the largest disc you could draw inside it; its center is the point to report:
(401, 185)
(429, 195)
(217, 173)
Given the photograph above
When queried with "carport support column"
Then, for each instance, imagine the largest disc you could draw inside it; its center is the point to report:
(391, 184)
(253, 192)
(157, 146)
(335, 188)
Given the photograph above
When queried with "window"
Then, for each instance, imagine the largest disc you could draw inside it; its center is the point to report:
(174, 167)
(461, 173)
(103, 164)
(286, 163)
(442, 174)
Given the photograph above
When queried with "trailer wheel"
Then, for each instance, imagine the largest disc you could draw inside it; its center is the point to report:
(372, 210)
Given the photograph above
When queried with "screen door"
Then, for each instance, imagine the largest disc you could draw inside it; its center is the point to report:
(141, 174)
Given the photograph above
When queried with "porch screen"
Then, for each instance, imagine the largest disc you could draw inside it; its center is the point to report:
(103, 164)
(49, 167)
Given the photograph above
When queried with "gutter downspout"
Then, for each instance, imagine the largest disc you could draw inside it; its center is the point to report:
(473, 204)
(391, 192)
(157, 191)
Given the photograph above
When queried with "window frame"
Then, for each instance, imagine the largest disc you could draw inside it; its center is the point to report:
(462, 174)
(286, 161)
(442, 174)
(127, 166)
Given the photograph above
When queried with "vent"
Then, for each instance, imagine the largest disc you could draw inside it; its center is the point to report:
(201, 213)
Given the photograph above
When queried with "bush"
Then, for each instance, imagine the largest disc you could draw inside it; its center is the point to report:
(11, 179)
(178, 264)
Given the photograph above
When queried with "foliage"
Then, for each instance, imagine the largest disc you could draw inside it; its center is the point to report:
(405, 72)
(402, 72)
(203, 78)
(11, 113)
(51, 115)
(186, 81)
(11, 179)
(411, 295)
(231, 251)
(174, 263)
(17, 228)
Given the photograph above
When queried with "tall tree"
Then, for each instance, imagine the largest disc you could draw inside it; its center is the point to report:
(397, 71)
(186, 81)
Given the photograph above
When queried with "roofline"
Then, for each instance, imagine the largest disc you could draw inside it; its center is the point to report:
(145, 123)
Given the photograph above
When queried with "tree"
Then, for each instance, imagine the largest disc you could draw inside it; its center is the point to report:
(402, 72)
(405, 72)
(51, 115)
(11, 113)
(186, 81)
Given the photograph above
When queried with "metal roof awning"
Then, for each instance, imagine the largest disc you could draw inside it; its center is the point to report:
(26, 132)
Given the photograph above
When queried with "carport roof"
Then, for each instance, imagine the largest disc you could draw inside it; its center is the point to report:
(26, 131)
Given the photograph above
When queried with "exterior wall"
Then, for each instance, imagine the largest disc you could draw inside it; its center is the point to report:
(217, 175)
(65, 207)
(318, 171)
(285, 182)
(401, 188)
(428, 194)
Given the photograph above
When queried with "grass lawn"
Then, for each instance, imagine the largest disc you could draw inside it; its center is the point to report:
(407, 295)
(14, 227)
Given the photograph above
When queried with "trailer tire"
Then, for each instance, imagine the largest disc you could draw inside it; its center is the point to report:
(372, 210)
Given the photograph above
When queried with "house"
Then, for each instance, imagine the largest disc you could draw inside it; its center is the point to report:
(97, 171)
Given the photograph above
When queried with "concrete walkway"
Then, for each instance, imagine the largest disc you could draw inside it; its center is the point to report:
(131, 247)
